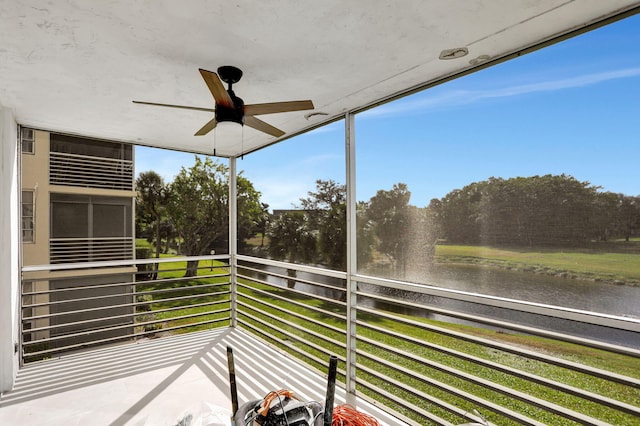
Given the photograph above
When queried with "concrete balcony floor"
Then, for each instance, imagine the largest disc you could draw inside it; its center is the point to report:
(158, 382)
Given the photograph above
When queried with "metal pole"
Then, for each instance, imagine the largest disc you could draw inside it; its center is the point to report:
(232, 385)
(350, 365)
(233, 238)
(331, 390)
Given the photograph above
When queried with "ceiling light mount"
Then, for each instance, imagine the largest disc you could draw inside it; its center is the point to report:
(229, 74)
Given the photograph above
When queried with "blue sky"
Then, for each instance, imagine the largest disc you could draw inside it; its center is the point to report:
(573, 108)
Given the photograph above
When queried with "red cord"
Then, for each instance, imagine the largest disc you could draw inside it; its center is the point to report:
(346, 415)
(271, 397)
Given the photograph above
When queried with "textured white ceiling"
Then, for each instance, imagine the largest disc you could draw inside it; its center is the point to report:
(74, 66)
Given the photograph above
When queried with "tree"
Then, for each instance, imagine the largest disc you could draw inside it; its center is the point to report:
(250, 210)
(151, 204)
(327, 209)
(291, 239)
(536, 210)
(263, 222)
(199, 206)
(365, 234)
(628, 215)
(389, 212)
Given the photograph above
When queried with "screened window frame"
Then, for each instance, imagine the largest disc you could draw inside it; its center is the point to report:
(31, 217)
(27, 141)
(89, 202)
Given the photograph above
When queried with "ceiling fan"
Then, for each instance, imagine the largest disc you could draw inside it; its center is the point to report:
(231, 108)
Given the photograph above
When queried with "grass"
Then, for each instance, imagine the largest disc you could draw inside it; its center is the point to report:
(619, 268)
(185, 292)
(277, 326)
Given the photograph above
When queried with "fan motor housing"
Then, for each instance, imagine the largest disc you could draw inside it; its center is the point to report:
(235, 114)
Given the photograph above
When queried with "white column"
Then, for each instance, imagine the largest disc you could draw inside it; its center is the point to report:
(9, 261)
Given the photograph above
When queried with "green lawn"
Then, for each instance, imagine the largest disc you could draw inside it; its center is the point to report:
(620, 364)
(606, 266)
(176, 286)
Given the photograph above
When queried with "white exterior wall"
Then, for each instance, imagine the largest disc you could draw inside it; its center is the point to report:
(9, 238)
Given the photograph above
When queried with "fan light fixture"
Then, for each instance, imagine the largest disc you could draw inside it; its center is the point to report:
(228, 133)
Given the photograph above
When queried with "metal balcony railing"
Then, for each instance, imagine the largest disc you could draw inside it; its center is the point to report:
(71, 250)
(106, 302)
(428, 355)
(90, 172)
(436, 356)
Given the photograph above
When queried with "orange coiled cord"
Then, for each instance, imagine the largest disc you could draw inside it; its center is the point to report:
(346, 415)
(271, 397)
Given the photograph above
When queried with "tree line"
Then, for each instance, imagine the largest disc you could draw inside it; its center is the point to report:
(190, 215)
(556, 210)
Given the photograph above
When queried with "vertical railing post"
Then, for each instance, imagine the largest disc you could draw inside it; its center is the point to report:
(233, 239)
(350, 366)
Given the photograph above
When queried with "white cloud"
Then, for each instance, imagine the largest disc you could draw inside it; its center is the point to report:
(452, 98)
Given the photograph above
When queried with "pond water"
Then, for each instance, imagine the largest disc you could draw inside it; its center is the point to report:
(606, 298)
(600, 297)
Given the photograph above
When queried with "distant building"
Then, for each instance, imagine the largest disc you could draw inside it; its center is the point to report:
(77, 207)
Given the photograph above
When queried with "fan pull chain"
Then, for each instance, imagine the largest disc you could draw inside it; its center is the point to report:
(242, 144)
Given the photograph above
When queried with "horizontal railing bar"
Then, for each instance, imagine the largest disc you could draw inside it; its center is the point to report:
(624, 323)
(98, 172)
(91, 172)
(298, 280)
(120, 327)
(629, 381)
(88, 251)
(59, 255)
(110, 172)
(409, 406)
(78, 170)
(123, 305)
(71, 239)
(487, 384)
(65, 182)
(507, 325)
(297, 315)
(293, 326)
(480, 402)
(292, 290)
(128, 283)
(94, 178)
(521, 419)
(54, 154)
(284, 343)
(293, 302)
(181, 317)
(176, 279)
(176, 289)
(367, 398)
(123, 316)
(120, 263)
(119, 338)
(289, 335)
(300, 316)
(589, 396)
(296, 267)
(87, 362)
